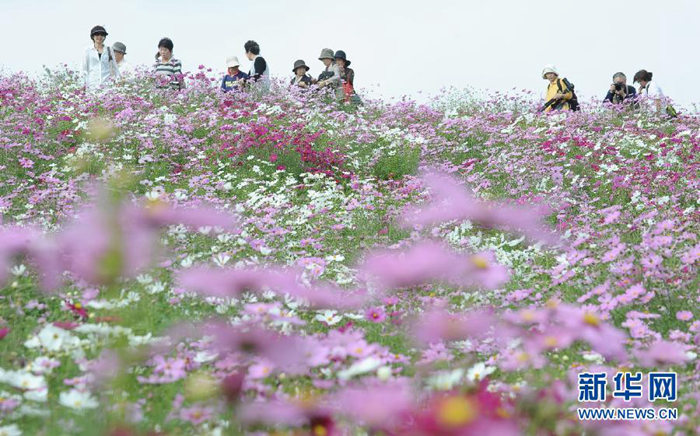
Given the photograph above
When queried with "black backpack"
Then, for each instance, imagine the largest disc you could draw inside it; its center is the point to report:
(573, 102)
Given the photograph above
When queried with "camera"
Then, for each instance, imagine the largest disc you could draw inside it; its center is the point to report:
(618, 86)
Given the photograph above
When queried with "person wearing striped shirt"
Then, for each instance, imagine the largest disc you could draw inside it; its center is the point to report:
(168, 66)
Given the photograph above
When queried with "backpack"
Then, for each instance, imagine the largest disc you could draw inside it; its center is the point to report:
(573, 102)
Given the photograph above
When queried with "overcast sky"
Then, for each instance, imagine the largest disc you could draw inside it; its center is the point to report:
(403, 46)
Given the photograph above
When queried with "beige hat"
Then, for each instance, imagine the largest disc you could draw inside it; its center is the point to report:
(549, 69)
(232, 62)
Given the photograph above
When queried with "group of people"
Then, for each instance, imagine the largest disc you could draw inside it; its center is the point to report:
(561, 95)
(103, 64)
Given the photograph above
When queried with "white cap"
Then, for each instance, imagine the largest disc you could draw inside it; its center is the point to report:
(549, 69)
(232, 62)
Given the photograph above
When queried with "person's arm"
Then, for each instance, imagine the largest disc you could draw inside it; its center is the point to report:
(114, 67)
(178, 72)
(85, 67)
(608, 97)
(260, 66)
(350, 76)
(223, 83)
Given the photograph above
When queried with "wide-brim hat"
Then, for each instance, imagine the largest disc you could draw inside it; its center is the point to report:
(549, 69)
(97, 30)
(232, 62)
(119, 47)
(300, 64)
(326, 53)
(340, 54)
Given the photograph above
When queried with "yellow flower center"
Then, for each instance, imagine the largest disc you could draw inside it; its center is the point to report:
(480, 262)
(320, 430)
(591, 319)
(456, 412)
(551, 341)
(527, 315)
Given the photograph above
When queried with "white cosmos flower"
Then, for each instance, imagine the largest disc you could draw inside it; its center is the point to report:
(10, 430)
(38, 395)
(43, 365)
(24, 380)
(363, 366)
(479, 371)
(78, 400)
(156, 288)
(221, 259)
(53, 338)
(446, 380)
(144, 279)
(18, 270)
(330, 317)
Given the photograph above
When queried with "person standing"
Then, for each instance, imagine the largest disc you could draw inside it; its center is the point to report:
(300, 79)
(125, 68)
(234, 77)
(99, 64)
(168, 66)
(558, 95)
(330, 76)
(259, 71)
(347, 77)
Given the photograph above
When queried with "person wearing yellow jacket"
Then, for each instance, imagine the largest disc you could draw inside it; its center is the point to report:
(550, 73)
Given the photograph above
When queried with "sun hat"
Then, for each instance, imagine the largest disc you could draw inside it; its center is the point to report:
(98, 30)
(232, 62)
(299, 64)
(119, 47)
(340, 54)
(326, 53)
(549, 69)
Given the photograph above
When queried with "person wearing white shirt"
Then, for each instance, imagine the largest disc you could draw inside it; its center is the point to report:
(125, 68)
(649, 90)
(99, 63)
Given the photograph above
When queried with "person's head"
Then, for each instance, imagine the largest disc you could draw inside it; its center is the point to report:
(165, 49)
(642, 77)
(232, 65)
(252, 49)
(549, 72)
(300, 68)
(98, 35)
(119, 51)
(341, 59)
(620, 78)
(326, 56)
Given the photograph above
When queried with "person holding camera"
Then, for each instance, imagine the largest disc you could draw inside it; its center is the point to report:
(620, 91)
(560, 93)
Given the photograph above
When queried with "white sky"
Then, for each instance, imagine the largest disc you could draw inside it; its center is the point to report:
(404, 46)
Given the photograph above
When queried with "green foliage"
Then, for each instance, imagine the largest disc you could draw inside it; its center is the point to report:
(397, 164)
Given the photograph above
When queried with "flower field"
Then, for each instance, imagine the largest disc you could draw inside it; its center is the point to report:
(209, 263)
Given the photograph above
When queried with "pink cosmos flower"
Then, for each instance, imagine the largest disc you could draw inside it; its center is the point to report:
(375, 314)
(451, 201)
(3, 332)
(661, 353)
(222, 282)
(684, 315)
(438, 325)
(375, 405)
(429, 261)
